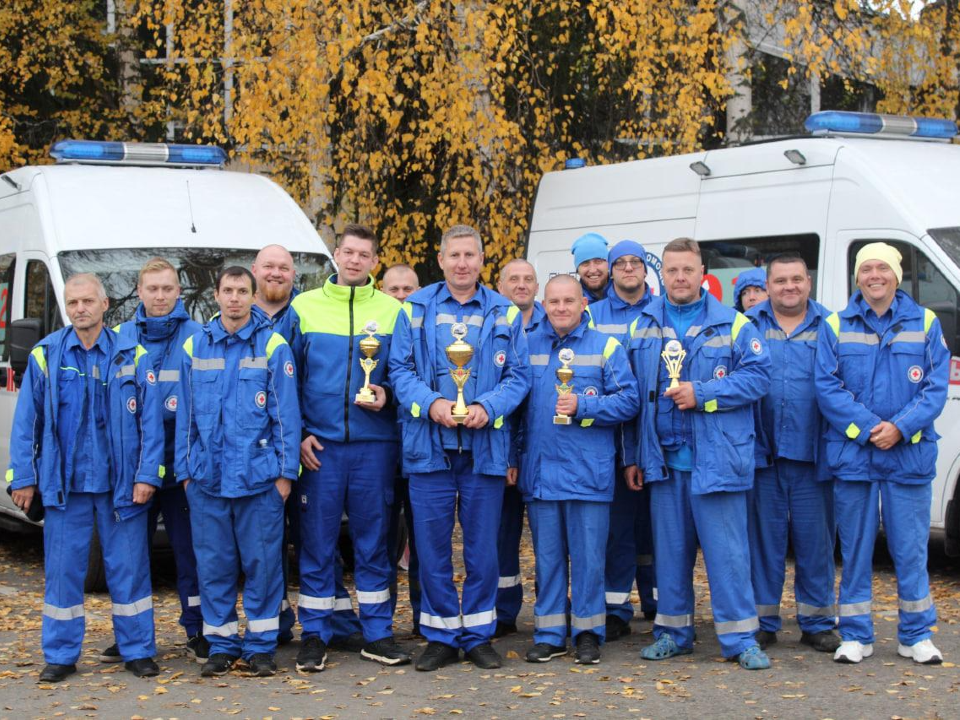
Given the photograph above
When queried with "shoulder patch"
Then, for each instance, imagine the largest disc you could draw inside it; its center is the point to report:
(756, 347)
(500, 358)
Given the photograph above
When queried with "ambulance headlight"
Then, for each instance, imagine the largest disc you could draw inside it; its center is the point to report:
(118, 153)
(842, 123)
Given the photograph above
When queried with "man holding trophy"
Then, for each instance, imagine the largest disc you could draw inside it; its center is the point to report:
(567, 467)
(340, 335)
(702, 366)
(459, 367)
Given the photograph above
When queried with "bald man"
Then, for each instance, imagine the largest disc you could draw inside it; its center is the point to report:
(274, 272)
(400, 281)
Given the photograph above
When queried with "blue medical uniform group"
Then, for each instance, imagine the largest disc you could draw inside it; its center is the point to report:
(457, 472)
(869, 369)
(238, 431)
(87, 428)
(567, 474)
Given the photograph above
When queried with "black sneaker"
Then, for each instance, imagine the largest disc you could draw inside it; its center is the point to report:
(588, 649)
(55, 673)
(504, 628)
(199, 646)
(386, 652)
(218, 664)
(261, 665)
(313, 654)
(111, 655)
(354, 642)
(484, 657)
(616, 628)
(142, 667)
(826, 641)
(765, 638)
(545, 652)
(436, 656)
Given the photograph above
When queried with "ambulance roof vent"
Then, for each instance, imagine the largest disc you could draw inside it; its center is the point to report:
(838, 122)
(96, 152)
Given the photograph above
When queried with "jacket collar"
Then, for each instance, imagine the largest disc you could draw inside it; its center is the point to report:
(903, 307)
(102, 342)
(344, 293)
(618, 303)
(431, 294)
(815, 311)
(576, 333)
(539, 316)
(218, 332)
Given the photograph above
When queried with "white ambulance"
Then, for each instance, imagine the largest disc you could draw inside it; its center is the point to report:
(857, 178)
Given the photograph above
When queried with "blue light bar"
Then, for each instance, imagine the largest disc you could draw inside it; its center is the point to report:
(574, 163)
(841, 123)
(119, 153)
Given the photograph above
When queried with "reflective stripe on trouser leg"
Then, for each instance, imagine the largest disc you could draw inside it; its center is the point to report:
(813, 531)
(858, 513)
(218, 568)
(620, 567)
(481, 498)
(643, 539)
(550, 550)
(675, 538)
(767, 529)
(721, 520)
(586, 527)
(66, 548)
(344, 621)
(370, 473)
(509, 586)
(906, 522)
(259, 532)
(172, 502)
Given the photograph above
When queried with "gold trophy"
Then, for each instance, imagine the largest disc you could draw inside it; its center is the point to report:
(369, 346)
(564, 375)
(459, 353)
(673, 355)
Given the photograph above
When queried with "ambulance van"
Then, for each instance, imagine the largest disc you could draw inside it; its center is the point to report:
(856, 178)
(107, 208)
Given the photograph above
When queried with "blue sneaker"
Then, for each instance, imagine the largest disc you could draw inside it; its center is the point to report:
(665, 647)
(753, 658)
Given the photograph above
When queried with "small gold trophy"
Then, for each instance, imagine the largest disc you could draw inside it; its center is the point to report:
(564, 375)
(369, 346)
(673, 355)
(459, 353)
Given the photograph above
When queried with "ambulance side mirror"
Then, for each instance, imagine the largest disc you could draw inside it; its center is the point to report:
(24, 335)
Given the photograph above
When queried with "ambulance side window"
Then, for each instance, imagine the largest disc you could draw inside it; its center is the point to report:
(39, 300)
(7, 267)
(925, 284)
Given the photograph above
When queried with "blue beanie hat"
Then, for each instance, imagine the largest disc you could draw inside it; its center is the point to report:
(754, 277)
(588, 247)
(626, 247)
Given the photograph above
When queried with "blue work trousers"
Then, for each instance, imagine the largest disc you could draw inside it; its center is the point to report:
(568, 540)
(629, 552)
(906, 522)
(66, 548)
(230, 535)
(510, 584)
(787, 501)
(438, 499)
(719, 520)
(357, 478)
(171, 502)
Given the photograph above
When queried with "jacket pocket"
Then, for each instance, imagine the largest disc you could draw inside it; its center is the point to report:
(205, 392)
(416, 439)
(739, 451)
(262, 464)
(252, 399)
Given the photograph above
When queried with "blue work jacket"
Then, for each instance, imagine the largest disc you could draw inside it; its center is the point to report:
(613, 315)
(324, 328)
(899, 375)
(754, 277)
(730, 370)
(134, 428)
(502, 380)
(238, 420)
(575, 461)
(538, 318)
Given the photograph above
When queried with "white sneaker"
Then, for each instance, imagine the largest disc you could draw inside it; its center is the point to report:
(923, 652)
(852, 651)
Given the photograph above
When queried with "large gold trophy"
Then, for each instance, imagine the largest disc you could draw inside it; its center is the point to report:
(369, 346)
(564, 375)
(673, 355)
(459, 353)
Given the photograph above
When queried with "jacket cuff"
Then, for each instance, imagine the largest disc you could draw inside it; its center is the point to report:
(703, 393)
(148, 479)
(586, 407)
(23, 482)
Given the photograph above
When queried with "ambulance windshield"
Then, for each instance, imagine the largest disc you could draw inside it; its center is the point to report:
(948, 238)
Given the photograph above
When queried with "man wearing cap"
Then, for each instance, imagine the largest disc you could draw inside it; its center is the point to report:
(630, 541)
(750, 289)
(590, 261)
(881, 377)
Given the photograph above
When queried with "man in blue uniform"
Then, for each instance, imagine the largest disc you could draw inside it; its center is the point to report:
(87, 442)
(161, 325)
(567, 471)
(518, 283)
(629, 554)
(789, 497)
(590, 261)
(696, 454)
(882, 375)
(750, 289)
(238, 436)
(457, 469)
(349, 448)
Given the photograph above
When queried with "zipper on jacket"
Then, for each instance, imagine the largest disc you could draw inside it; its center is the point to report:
(346, 388)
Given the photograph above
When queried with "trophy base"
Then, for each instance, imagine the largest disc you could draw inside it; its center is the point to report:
(459, 419)
(562, 420)
(365, 396)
